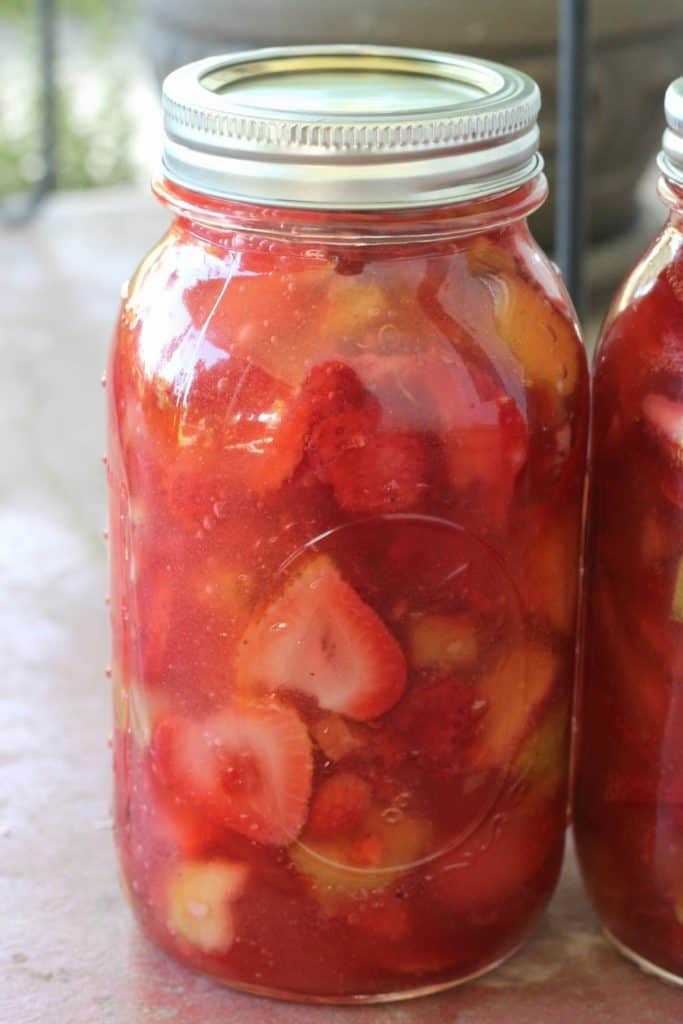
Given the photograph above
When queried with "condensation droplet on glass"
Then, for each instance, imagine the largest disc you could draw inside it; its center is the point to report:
(392, 815)
(208, 523)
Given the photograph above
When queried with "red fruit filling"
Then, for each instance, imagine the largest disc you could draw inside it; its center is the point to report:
(343, 605)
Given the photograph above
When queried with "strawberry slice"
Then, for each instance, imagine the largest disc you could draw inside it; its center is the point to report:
(247, 768)
(200, 895)
(388, 474)
(320, 638)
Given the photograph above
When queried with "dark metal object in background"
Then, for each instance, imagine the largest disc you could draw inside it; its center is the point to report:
(571, 174)
(26, 206)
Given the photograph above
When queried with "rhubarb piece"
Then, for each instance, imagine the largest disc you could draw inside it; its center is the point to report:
(371, 858)
(542, 339)
(513, 694)
(442, 643)
(200, 896)
(677, 600)
(336, 737)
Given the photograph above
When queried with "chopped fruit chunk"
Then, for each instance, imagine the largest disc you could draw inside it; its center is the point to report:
(247, 768)
(243, 429)
(120, 697)
(433, 727)
(491, 453)
(319, 638)
(140, 715)
(132, 710)
(341, 412)
(677, 601)
(372, 858)
(336, 737)
(267, 318)
(387, 474)
(339, 806)
(486, 256)
(542, 759)
(539, 336)
(355, 307)
(513, 693)
(226, 592)
(442, 643)
(551, 573)
(200, 897)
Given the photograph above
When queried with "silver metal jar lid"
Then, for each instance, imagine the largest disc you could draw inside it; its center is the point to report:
(349, 127)
(671, 155)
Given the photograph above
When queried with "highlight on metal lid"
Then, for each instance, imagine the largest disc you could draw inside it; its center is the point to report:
(350, 127)
(671, 155)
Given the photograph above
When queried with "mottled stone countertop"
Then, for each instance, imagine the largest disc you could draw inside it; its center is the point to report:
(69, 952)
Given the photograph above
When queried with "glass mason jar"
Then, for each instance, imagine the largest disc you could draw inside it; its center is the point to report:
(348, 406)
(629, 793)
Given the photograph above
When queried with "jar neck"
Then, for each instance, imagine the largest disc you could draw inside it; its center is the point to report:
(671, 193)
(348, 228)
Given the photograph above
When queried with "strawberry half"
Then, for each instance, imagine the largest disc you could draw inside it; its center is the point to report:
(247, 768)
(321, 639)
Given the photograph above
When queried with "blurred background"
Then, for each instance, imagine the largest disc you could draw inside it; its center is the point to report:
(110, 57)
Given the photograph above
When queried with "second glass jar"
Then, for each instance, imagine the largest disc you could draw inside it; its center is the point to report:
(346, 469)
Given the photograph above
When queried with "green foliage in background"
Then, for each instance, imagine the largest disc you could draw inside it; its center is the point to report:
(93, 126)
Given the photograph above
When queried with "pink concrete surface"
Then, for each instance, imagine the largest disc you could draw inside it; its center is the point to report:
(69, 951)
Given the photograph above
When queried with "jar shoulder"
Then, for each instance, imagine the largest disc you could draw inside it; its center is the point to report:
(649, 300)
(285, 307)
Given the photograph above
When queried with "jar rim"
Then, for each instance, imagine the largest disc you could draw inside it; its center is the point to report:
(350, 127)
(349, 228)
